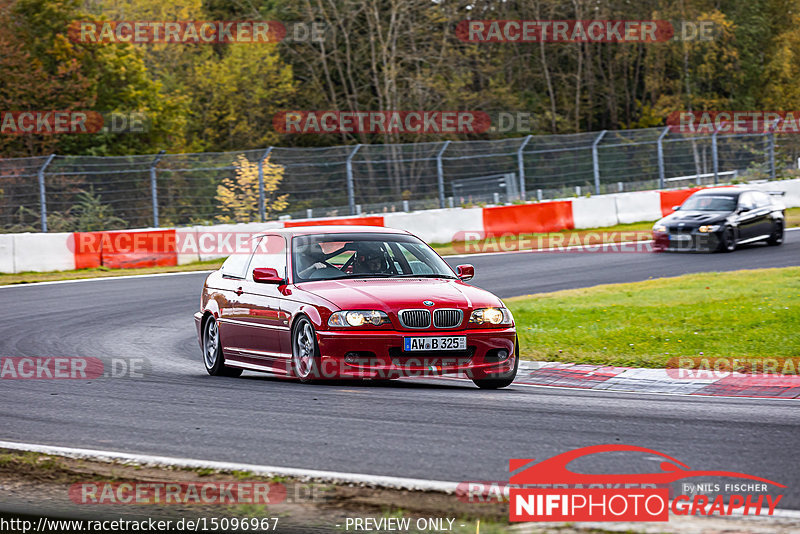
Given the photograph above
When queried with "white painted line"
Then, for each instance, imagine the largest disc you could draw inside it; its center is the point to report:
(121, 277)
(413, 484)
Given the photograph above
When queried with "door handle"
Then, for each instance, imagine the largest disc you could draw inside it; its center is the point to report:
(239, 291)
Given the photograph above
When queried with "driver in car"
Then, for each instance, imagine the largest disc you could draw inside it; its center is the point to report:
(310, 259)
(370, 259)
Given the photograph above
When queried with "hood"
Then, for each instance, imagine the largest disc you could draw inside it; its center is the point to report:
(393, 294)
(698, 218)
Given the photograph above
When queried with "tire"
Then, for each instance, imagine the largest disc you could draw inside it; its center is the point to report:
(212, 351)
(776, 238)
(305, 351)
(502, 381)
(727, 240)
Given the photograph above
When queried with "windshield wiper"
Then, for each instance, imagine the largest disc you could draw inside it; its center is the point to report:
(427, 276)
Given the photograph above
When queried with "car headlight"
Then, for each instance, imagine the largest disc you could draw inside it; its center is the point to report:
(491, 317)
(660, 228)
(709, 228)
(358, 318)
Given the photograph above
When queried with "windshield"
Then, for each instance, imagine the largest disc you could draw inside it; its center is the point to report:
(709, 203)
(336, 256)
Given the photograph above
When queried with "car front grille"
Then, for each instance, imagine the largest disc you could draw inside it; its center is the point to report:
(415, 318)
(447, 318)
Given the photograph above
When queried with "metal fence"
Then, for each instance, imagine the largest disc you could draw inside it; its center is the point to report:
(71, 193)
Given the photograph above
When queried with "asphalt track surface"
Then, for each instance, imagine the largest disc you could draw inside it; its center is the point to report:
(430, 429)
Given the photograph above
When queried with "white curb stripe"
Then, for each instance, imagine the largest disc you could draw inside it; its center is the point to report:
(413, 484)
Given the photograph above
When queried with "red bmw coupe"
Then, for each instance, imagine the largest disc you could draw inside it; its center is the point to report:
(331, 302)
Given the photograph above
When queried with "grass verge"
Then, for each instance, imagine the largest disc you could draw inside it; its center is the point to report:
(445, 249)
(741, 314)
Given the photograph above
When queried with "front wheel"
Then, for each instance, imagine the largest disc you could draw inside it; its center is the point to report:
(212, 351)
(776, 237)
(727, 240)
(305, 352)
(503, 380)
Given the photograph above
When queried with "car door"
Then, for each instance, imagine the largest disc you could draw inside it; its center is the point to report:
(265, 338)
(763, 207)
(230, 302)
(748, 216)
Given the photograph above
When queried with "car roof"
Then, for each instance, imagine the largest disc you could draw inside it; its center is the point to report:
(333, 229)
(722, 191)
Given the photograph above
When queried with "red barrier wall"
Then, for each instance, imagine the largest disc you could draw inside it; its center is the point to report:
(363, 221)
(125, 250)
(528, 218)
(675, 198)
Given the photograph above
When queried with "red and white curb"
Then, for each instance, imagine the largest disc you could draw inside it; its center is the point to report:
(667, 381)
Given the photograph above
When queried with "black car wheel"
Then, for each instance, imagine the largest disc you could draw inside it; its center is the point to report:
(212, 351)
(501, 381)
(776, 238)
(305, 351)
(727, 240)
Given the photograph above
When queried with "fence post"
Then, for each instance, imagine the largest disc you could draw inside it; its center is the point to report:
(351, 191)
(715, 154)
(661, 169)
(42, 192)
(154, 186)
(521, 167)
(262, 208)
(596, 162)
(440, 173)
(771, 148)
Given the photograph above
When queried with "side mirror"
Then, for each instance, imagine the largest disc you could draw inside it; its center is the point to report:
(743, 209)
(265, 275)
(675, 208)
(465, 272)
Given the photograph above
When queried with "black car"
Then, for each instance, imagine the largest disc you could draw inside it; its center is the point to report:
(720, 219)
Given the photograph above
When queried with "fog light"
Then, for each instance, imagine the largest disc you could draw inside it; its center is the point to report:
(351, 357)
(502, 355)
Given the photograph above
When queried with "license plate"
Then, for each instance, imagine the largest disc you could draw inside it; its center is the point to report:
(411, 344)
(680, 237)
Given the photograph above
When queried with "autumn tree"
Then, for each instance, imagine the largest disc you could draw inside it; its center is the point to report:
(238, 196)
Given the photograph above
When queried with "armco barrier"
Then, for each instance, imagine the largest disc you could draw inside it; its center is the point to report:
(157, 246)
(528, 218)
(437, 226)
(594, 212)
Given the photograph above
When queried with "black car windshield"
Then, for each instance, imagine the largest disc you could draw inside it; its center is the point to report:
(709, 203)
(364, 255)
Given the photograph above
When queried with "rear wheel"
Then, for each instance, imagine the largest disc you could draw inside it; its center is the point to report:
(727, 240)
(212, 351)
(305, 353)
(776, 238)
(502, 380)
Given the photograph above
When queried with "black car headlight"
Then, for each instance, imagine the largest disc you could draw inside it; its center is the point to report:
(660, 228)
(356, 318)
(708, 228)
(491, 317)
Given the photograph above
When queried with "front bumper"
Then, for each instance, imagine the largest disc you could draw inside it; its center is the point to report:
(686, 242)
(379, 354)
